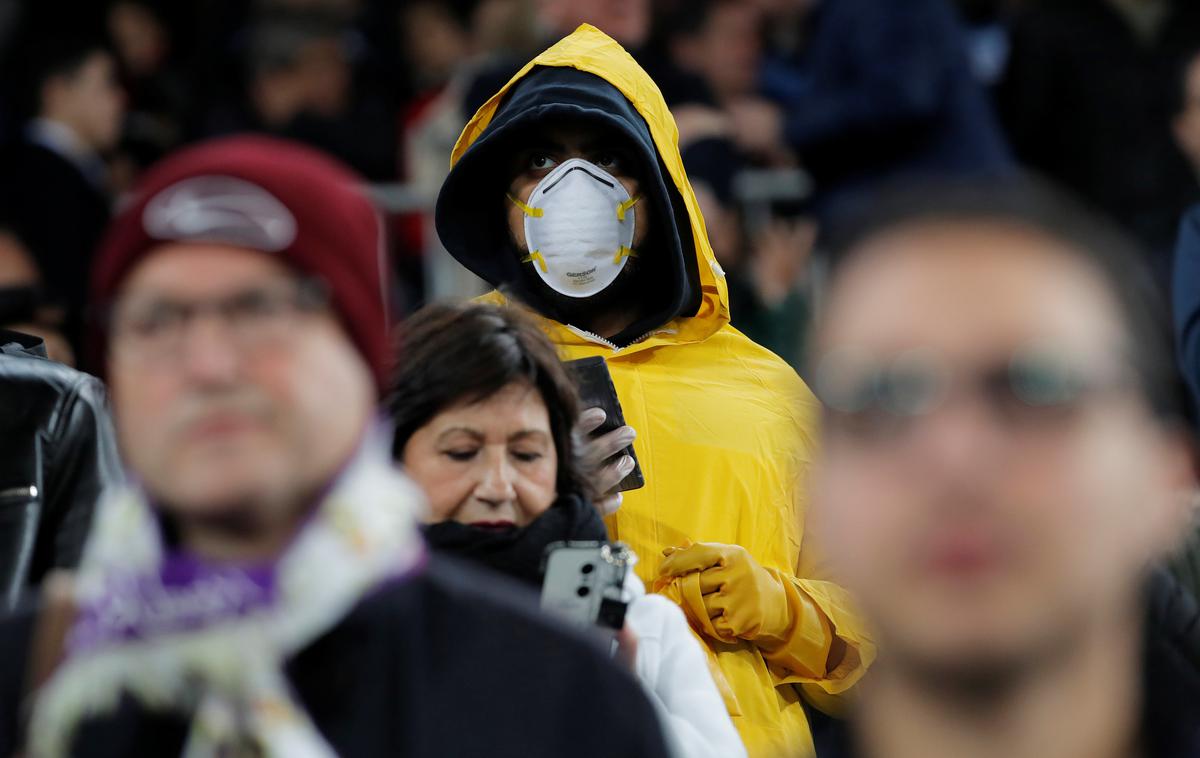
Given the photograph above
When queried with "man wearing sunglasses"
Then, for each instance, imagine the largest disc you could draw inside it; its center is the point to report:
(1001, 466)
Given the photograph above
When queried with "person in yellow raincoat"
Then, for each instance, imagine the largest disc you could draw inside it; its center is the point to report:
(567, 192)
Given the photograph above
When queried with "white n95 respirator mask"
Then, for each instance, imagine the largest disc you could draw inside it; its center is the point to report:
(579, 223)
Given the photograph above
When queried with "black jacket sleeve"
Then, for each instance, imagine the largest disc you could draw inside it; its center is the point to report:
(82, 460)
(57, 453)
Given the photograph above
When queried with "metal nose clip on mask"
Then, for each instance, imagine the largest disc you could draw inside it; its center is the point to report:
(579, 223)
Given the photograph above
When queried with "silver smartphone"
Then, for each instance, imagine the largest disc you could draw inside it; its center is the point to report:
(584, 584)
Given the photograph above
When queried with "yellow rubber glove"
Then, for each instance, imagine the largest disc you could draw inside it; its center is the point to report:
(745, 601)
(741, 597)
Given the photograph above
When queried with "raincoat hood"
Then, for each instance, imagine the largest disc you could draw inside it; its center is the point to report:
(586, 75)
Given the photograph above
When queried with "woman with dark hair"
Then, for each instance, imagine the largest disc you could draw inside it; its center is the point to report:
(483, 411)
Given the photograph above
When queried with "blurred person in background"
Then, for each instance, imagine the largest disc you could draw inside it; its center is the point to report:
(54, 183)
(718, 43)
(448, 44)
(568, 194)
(1003, 464)
(705, 57)
(300, 84)
(1185, 300)
(57, 454)
(767, 275)
(23, 304)
(1185, 126)
(484, 411)
(871, 90)
(261, 587)
(1088, 100)
(627, 21)
(438, 43)
(159, 101)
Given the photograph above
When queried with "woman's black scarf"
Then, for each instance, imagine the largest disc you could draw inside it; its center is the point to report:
(518, 552)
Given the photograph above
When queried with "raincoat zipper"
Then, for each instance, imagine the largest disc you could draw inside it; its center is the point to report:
(610, 345)
(29, 491)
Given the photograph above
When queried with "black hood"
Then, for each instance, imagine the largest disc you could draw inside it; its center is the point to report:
(470, 209)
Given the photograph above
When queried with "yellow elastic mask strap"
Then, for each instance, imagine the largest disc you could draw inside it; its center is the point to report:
(527, 209)
(624, 252)
(625, 206)
(536, 256)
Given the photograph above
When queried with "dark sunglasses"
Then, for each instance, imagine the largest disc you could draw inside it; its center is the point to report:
(868, 398)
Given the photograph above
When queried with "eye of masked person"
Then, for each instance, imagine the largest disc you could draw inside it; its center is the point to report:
(540, 161)
(254, 317)
(612, 161)
(1035, 389)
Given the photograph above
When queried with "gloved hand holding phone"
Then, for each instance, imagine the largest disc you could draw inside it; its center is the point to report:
(596, 452)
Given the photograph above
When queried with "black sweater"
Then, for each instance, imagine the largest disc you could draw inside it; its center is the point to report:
(449, 664)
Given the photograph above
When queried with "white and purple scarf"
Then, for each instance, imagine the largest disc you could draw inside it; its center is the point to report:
(180, 634)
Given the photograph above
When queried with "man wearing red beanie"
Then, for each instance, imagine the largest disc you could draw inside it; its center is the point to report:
(263, 588)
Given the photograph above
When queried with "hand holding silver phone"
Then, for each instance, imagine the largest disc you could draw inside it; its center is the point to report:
(584, 584)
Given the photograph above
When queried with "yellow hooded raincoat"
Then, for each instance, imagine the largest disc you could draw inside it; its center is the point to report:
(725, 430)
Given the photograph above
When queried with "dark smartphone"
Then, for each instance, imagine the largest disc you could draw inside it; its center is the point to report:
(596, 390)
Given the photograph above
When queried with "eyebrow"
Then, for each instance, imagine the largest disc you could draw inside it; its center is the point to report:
(460, 430)
(527, 433)
(476, 434)
(157, 297)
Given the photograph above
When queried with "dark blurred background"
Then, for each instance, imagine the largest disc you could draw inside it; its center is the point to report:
(787, 110)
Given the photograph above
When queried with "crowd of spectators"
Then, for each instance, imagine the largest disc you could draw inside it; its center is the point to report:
(1099, 95)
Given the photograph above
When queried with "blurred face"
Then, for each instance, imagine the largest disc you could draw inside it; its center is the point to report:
(139, 36)
(1187, 123)
(730, 49)
(17, 268)
(556, 142)
(234, 388)
(326, 74)
(986, 522)
(727, 51)
(436, 45)
(626, 21)
(90, 101)
(492, 463)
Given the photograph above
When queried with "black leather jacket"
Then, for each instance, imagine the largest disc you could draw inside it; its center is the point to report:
(57, 452)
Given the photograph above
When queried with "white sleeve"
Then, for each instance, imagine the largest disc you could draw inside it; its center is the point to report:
(674, 671)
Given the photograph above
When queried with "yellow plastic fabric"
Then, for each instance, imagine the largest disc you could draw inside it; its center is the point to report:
(725, 433)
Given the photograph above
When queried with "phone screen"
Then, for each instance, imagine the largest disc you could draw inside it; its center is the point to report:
(596, 390)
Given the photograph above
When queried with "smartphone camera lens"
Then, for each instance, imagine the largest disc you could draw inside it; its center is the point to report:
(588, 568)
(583, 591)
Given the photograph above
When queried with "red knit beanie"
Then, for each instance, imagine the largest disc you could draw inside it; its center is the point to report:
(258, 193)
